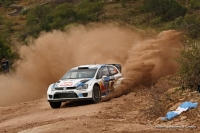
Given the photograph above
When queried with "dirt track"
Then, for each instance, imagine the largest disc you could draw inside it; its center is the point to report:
(121, 115)
(37, 116)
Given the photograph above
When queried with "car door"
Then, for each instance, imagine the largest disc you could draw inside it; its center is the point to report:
(113, 77)
(103, 79)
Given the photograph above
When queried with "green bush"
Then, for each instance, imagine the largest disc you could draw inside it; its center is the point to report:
(193, 25)
(6, 3)
(179, 21)
(8, 25)
(195, 4)
(189, 61)
(49, 17)
(1, 19)
(62, 16)
(167, 9)
(5, 50)
(5, 33)
(123, 2)
(156, 21)
(178, 24)
(190, 25)
(88, 11)
(39, 16)
(6, 29)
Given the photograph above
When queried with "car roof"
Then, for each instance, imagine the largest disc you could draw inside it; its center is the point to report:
(92, 66)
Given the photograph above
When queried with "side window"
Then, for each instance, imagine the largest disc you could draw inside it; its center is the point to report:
(112, 70)
(102, 72)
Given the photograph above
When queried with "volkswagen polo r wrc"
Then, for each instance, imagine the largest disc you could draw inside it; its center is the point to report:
(86, 82)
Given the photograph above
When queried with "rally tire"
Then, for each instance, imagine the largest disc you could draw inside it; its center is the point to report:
(55, 105)
(96, 94)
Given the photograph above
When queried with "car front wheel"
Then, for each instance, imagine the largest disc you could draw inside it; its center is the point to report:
(55, 105)
(96, 94)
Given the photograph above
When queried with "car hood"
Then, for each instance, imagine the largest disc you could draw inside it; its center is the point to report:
(71, 82)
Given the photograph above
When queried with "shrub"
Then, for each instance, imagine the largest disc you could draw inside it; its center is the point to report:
(156, 21)
(1, 19)
(49, 17)
(64, 14)
(39, 16)
(193, 25)
(190, 24)
(123, 2)
(6, 29)
(189, 61)
(88, 11)
(195, 5)
(8, 25)
(5, 50)
(6, 3)
(167, 9)
(178, 24)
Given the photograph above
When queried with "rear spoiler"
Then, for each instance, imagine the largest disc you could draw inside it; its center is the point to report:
(118, 66)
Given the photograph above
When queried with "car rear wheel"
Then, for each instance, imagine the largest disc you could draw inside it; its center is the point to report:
(96, 94)
(55, 105)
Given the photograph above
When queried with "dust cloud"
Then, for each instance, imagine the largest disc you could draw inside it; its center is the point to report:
(149, 60)
(145, 57)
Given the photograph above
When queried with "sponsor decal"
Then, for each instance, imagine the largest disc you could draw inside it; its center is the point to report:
(66, 84)
(102, 86)
(82, 82)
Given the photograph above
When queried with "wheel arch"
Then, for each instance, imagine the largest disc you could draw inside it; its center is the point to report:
(98, 86)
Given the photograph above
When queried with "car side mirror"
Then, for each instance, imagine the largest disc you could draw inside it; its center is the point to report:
(103, 77)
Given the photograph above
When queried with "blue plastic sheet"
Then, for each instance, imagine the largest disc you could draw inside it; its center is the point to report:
(188, 105)
(183, 107)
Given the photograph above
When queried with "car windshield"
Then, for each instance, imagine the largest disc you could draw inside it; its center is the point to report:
(80, 73)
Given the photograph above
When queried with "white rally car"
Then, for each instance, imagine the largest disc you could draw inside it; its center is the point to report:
(87, 82)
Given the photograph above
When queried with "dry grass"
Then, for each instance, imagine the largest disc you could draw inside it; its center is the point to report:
(162, 97)
(165, 97)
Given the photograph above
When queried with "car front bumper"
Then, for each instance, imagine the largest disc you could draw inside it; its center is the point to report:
(66, 95)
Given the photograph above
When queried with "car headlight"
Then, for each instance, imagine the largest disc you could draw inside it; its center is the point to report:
(53, 87)
(85, 86)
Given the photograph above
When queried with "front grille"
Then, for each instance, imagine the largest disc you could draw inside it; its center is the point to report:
(65, 88)
(70, 88)
(59, 88)
(65, 95)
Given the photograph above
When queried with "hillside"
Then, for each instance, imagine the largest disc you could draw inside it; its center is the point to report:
(19, 17)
